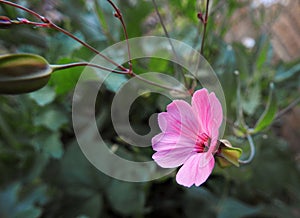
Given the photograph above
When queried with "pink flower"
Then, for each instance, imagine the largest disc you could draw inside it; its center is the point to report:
(189, 137)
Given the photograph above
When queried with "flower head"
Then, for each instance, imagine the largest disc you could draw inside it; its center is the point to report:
(189, 137)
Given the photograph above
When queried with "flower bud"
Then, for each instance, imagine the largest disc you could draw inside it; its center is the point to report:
(21, 73)
(227, 155)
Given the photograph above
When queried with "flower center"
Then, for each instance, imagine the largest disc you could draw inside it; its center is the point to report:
(202, 143)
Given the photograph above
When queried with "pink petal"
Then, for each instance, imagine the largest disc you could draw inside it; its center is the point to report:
(217, 114)
(169, 141)
(209, 111)
(192, 173)
(179, 119)
(172, 150)
(172, 158)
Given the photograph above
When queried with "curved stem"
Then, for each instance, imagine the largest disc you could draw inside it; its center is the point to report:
(252, 150)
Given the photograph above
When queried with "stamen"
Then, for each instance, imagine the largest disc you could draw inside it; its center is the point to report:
(202, 144)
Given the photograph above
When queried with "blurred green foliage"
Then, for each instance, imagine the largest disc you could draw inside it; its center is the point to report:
(43, 172)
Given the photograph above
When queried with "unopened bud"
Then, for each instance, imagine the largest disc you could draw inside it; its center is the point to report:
(5, 22)
(21, 73)
(200, 17)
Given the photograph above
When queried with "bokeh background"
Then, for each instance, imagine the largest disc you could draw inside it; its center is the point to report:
(43, 172)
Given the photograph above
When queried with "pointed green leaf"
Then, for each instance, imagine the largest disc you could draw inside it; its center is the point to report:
(269, 114)
(284, 75)
(21, 73)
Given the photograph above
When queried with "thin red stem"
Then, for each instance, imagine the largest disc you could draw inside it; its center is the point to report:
(205, 27)
(119, 15)
(49, 24)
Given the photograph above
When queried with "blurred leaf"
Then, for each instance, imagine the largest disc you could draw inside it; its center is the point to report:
(43, 96)
(283, 75)
(270, 111)
(21, 73)
(61, 45)
(231, 208)
(252, 100)
(126, 198)
(50, 144)
(92, 207)
(114, 81)
(134, 16)
(196, 196)
(84, 174)
(52, 119)
(17, 205)
(263, 52)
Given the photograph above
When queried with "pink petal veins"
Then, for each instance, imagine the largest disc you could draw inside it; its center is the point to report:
(191, 173)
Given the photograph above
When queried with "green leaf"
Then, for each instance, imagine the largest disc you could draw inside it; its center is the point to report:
(21, 73)
(126, 198)
(43, 96)
(65, 80)
(231, 208)
(53, 146)
(114, 81)
(84, 174)
(50, 144)
(269, 114)
(251, 102)
(281, 76)
(263, 52)
(61, 45)
(51, 119)
(17, 201)
(92, 207)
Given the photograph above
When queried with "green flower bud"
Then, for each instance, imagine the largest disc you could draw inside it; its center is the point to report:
(21, 73)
